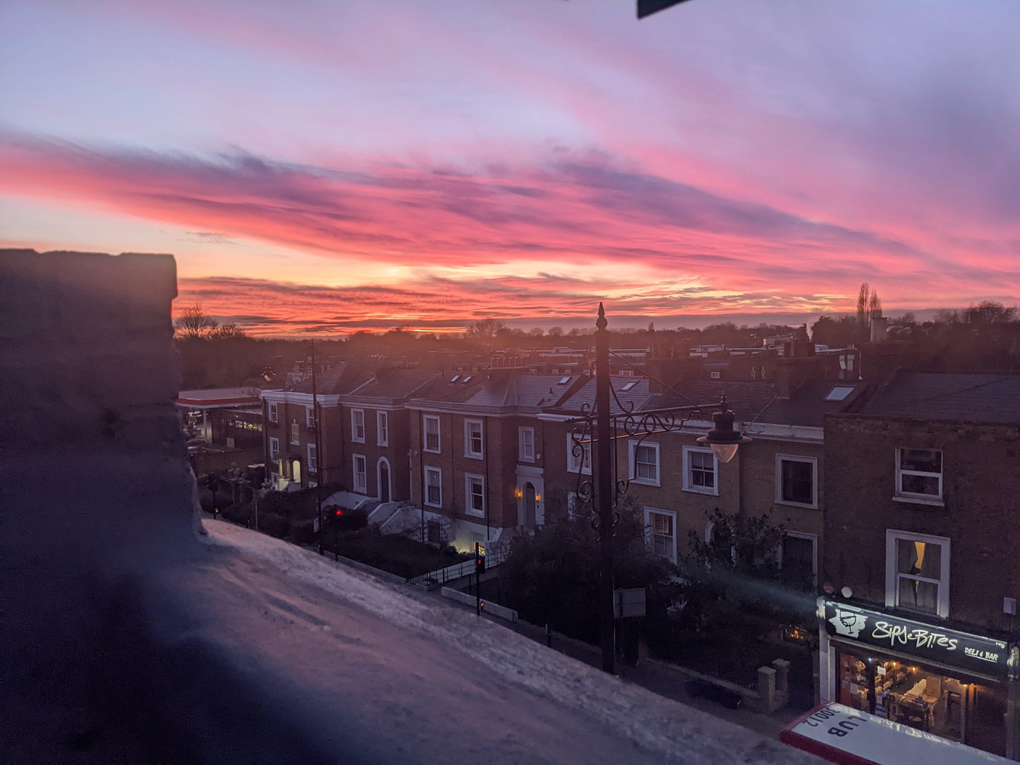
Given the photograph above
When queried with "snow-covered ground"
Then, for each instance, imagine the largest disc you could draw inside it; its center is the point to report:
(396, 676)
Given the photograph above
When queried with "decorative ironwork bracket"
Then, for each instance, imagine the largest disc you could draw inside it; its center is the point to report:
(624, 425)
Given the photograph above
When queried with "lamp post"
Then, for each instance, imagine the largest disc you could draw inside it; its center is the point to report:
(604, 427)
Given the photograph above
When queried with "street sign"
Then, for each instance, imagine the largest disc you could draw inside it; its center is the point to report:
(629, 603)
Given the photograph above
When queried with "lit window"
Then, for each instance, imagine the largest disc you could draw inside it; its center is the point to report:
(661, 533)
(358, 426)
(431, 434)
(473, 444)
(644, 463)
(475, 495)
(526, 442)
(700, 471)
(360, 473)
(575, 463)
(382, 421)
(919, 474)
(917, 572)
(795, 480)
(433, 487)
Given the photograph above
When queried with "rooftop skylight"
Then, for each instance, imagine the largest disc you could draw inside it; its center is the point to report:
(839, 392)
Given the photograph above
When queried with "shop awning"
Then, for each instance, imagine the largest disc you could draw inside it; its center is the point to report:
(848, 736)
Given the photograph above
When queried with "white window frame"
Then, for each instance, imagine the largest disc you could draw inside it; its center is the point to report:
(657, 480)
(425, 434)
(892, 575)
(572, 461)
(813, 461)
(439, 473)
(688, 484)
(355, 438)
(649, 511)
(274, 449)
(921, 499)
(295, 432)
(469, 478)
(468, 452)
(522, 452)
(363, 487)
(274, 413)
(310, 416)
(814, 552)
(382, 428)
(313, 459)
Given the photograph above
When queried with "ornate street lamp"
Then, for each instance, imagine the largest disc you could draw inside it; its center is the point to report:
(602, 426)
(723, 438)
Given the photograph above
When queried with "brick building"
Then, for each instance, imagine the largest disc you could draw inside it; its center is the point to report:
(477, 454)
(922, 528)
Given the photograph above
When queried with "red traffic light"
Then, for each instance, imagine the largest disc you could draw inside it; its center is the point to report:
(339, 513)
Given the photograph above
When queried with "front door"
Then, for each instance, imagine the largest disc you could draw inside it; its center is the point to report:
(384, 482)
(529, 505)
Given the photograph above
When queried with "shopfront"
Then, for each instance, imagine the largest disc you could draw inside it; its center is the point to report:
(955, 685)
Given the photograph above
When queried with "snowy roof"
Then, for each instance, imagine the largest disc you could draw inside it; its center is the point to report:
(462, 689)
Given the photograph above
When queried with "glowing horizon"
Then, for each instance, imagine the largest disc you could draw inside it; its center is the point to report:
(364, 166)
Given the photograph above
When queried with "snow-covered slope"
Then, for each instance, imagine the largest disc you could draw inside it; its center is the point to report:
(429, 682)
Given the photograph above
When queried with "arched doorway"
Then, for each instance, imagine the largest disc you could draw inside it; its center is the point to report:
(295, 467)
(530, 505)
(383, 475)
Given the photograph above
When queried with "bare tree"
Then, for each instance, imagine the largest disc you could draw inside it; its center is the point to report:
(194, 322)
(486, 329)
(989, 312)
(869, 308)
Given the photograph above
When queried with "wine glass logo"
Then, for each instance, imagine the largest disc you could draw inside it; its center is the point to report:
(848, 623)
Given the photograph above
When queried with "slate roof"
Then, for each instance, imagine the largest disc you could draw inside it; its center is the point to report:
(638, 395)
(960, 397)
(396, 384)
(342, 377)
(510, 391)
(807, 406)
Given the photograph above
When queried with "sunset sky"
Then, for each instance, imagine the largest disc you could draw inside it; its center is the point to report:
(330, 166)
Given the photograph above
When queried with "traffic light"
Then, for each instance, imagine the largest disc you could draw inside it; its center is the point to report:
(480, 560)
(339, 513)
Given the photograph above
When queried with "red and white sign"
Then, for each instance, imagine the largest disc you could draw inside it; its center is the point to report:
(850, 737)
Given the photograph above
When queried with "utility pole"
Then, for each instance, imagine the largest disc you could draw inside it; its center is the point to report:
(318, 451)
(604, 492)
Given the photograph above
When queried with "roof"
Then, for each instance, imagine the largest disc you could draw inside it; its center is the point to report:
(342, 377)
(760, 401)
(636, 394)
(506, 391)
(960, 397)
(212, 398)
(396, 384)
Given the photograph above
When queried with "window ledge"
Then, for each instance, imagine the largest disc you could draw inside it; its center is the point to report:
(474, 456)
(705, 492)
(919, 501)
(474, 514)
(432, 451)
(645, 482)
(784, 503)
